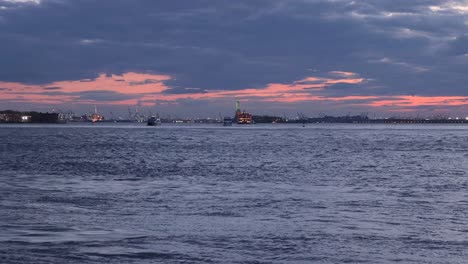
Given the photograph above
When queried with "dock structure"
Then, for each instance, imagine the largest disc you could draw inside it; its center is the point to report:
(366, 120)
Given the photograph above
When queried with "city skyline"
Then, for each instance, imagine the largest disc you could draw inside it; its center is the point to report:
(195, 58)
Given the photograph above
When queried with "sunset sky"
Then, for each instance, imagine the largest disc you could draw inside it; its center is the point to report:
(194, 57)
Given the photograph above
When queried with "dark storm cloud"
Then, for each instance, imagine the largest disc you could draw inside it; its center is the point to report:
(344, 89)
(104, 96)
(148, 81)
(459, 47)
(404, 47)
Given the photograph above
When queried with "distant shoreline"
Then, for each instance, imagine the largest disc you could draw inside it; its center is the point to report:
(16, 117)
(136, 124)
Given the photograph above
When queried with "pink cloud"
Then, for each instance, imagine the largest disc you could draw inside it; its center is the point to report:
(148, 89)
(145, 83)
(343, 73)
(413, 101)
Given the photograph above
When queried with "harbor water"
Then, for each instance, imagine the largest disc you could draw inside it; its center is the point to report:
(242, 194)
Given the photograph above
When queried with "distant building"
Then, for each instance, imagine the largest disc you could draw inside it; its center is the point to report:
(9, 116)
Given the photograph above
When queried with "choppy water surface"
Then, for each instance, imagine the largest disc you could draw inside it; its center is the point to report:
(209, 194)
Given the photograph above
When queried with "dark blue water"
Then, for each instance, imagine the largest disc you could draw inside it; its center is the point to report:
(258, 194)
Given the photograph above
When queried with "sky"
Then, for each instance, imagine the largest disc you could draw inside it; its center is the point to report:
(194, 58)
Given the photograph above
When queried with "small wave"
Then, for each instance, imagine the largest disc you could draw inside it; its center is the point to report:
(124, 253)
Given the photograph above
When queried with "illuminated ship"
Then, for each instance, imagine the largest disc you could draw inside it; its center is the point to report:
(95, 117)
(242, 117)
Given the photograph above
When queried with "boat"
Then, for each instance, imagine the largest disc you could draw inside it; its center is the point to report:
(95, 117)
(153, 121)
(227, 121)
(242, 117)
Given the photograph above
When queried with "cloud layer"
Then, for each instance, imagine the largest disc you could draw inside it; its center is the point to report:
(203, 49)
